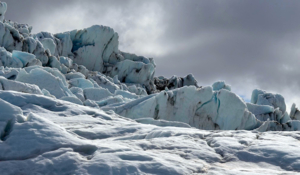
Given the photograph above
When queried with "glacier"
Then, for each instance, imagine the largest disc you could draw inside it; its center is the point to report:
(73, 103)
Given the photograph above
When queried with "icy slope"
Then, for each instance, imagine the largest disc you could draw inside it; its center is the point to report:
(42, 135)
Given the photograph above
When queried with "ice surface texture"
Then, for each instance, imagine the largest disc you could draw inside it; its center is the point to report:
(42, 135)
(86, 67)
(73, 103)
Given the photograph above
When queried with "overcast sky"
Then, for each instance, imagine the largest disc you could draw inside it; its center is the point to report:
(248, 43)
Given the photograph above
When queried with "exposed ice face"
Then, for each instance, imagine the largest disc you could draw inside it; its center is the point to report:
(201, 108)
(260, 109)
(295, 113)
(65, 46)
(8, 60)
(220, 85)
(261, 103)
(48, 41)
(174, 82)
(89, 46)
(73, 75)
(81, 83)
(10, 85)
(26, 58)
(104, 82)
(11, 38)
(45, 79)
(3, 8)
(24, 29)
(291, 125)
(133, 72)
(96, 94)
(261, 97)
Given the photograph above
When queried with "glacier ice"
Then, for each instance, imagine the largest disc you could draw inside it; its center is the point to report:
(163, 123)
(220, 85)
(27, 59)
(110, 100)
(44, 80)
(48, 41)
(56, 136)
(295, 113)
(129, 71)
(47, 93)
(36, 142)
(8, 117)
(260, 109)
(261, 103)
(3, 8)
(174, 82)
(66, 61)
(72, 100)
(96, 94)
(86, 67)
(6, 84)
(201, 108)
(9, 73)
(126, 94)
(292, 125)
(8, 60)
(73, 103)
(261, 97)
(89, 44)
(81, 83)
(78, 92)
(104, 82)
(73, 75)
(91, 103)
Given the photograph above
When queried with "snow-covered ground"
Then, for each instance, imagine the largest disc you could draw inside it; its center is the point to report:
(73, 103)
(57, 137)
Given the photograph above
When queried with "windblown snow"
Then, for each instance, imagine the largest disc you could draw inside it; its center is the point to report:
(73, 103)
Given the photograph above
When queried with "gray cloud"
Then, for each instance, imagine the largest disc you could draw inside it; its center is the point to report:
(249, 44)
